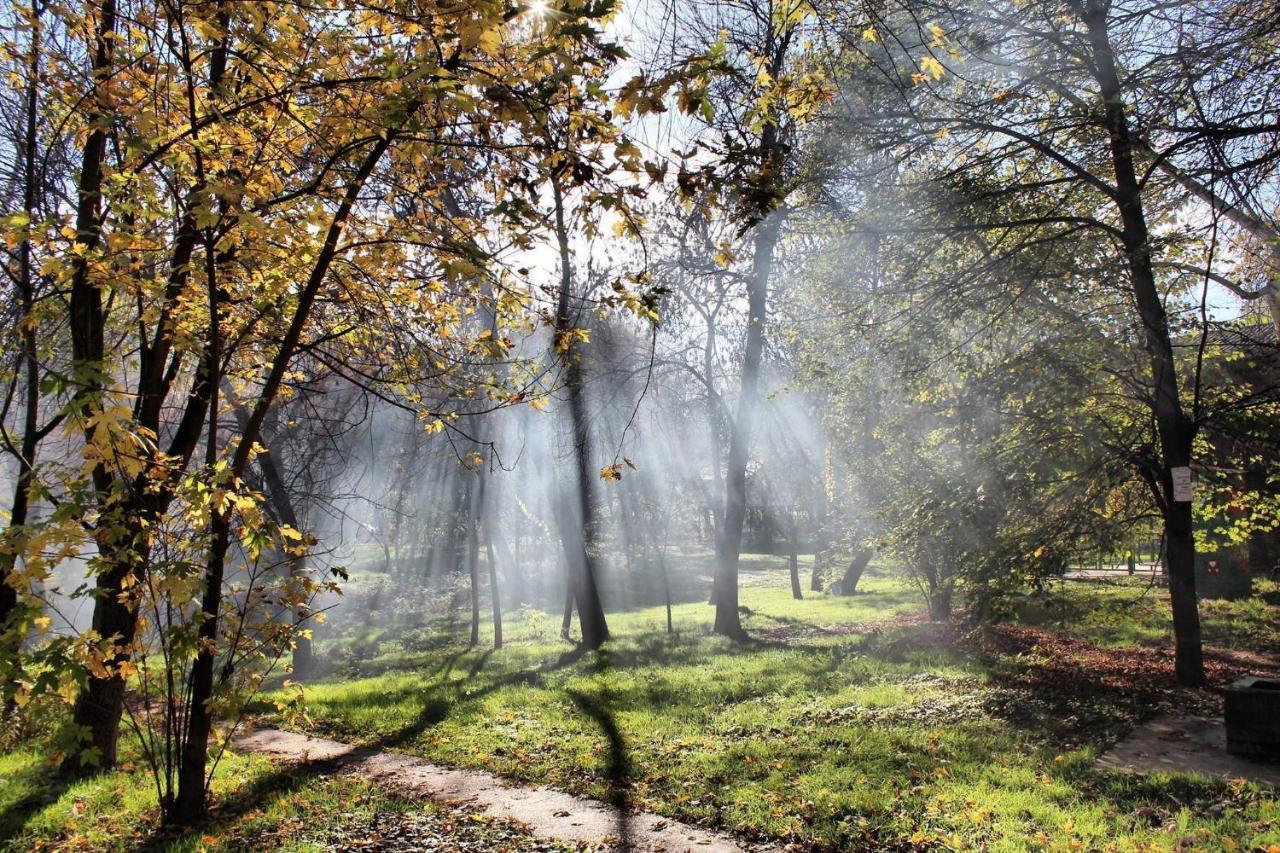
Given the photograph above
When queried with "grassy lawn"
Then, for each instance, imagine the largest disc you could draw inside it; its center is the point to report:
(260, 807)
(848, 723)
(1132, 612)
(876, 734)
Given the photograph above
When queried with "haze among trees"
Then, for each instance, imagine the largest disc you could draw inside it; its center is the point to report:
(651, 400)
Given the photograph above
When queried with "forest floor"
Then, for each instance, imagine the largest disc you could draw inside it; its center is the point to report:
(846, 723)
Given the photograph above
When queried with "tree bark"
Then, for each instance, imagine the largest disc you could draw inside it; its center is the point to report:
(99, 705)
(1176, 429)
(475, 496)
(853, 574)
(580, 544)
(10, 636)
(495, 597)
(820, 557)
(939, 600)
(727, 620)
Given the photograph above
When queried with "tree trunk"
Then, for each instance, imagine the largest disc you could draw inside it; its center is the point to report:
(475, 495)
(819, 566)
(566, 621)
(849, 583)
(580, 543)
(495, 597)
(793, 563)
(189, 806)
(99, 705)
(591, 618)
(10, 635)
(939, 600)
(1176, 430)
(727, 621)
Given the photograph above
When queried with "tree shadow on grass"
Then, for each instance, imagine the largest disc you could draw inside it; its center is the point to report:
(263, 790)
(442, 697)
(48, 787)
(284, 780)
(618, 766)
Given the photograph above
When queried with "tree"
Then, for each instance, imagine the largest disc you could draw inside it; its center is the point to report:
(1046, 110)
(751, 111)
(31, 173)
(281, 146)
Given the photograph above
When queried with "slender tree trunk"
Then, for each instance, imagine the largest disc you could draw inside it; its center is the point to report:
(727, 621)
(495, 597)
(591, 618)
(282, 502)
(475, 497)
(820, 557)
(939, 600)
(666, 585)
(581, 542)
(793, 563)
(190, 803)
(853, 574)
(566, 622)
(1176, 429)
(189, 806)
(10, 635)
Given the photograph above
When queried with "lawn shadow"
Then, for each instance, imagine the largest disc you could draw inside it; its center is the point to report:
(285, 779)
(440, 699)
(49, 787)
(618, 765)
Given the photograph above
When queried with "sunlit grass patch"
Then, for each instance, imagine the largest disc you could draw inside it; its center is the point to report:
(844, 726)
(1126, 612)
(258, 806)
(849, 723)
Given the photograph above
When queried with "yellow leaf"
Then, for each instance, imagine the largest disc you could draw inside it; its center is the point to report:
(491, 41)
(933, 67)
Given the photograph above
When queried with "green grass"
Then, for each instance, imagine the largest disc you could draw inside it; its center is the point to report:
(877, 737)
(259, 807)
(885, 734)
(1131, 612)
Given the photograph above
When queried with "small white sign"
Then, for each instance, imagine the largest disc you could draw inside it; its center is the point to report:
(1181, 484)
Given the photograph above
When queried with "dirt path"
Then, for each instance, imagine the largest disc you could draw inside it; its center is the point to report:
(547, 813)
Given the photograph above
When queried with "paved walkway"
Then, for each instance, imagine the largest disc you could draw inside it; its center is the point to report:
(1177, 744)
(547, 813)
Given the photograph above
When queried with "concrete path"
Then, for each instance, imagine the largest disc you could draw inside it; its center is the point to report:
(1176, 744)
(547, 813)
